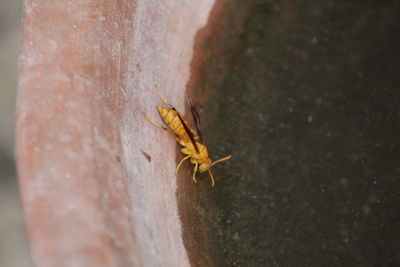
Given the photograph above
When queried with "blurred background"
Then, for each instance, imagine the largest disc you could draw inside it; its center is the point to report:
(13, 247)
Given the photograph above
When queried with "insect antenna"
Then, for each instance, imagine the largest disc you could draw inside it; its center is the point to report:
(196, 117)
(220, 160)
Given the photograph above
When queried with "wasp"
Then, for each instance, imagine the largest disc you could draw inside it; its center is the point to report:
(189, 139)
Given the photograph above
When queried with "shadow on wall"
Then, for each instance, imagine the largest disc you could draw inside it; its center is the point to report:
(305, 97)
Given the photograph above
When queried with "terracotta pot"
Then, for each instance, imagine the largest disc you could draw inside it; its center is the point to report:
(98, 182)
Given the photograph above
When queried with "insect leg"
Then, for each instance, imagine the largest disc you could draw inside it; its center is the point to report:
(162, 98)
(159, 126)
(194, 172)
(212, 177)
(185, 158)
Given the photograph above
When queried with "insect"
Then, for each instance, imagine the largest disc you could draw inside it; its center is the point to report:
(189, 139)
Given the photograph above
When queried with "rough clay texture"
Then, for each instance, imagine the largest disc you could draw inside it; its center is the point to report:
(98, 182)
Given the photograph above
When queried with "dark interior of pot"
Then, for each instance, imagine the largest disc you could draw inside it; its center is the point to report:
(304, 95)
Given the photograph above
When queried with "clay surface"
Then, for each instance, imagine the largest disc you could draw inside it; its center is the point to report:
(303, 95)
(88, 69)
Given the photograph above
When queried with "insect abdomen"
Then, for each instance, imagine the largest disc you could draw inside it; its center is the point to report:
(171, 118)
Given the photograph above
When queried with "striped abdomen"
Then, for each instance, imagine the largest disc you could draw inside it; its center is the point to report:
(171, 118)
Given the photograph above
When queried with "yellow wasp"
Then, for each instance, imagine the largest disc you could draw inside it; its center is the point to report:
(191, 141)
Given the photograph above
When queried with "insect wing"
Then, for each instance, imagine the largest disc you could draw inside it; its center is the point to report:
(188, 131)
(196, 117)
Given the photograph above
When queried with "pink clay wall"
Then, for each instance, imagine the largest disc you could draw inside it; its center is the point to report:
(87, 72)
